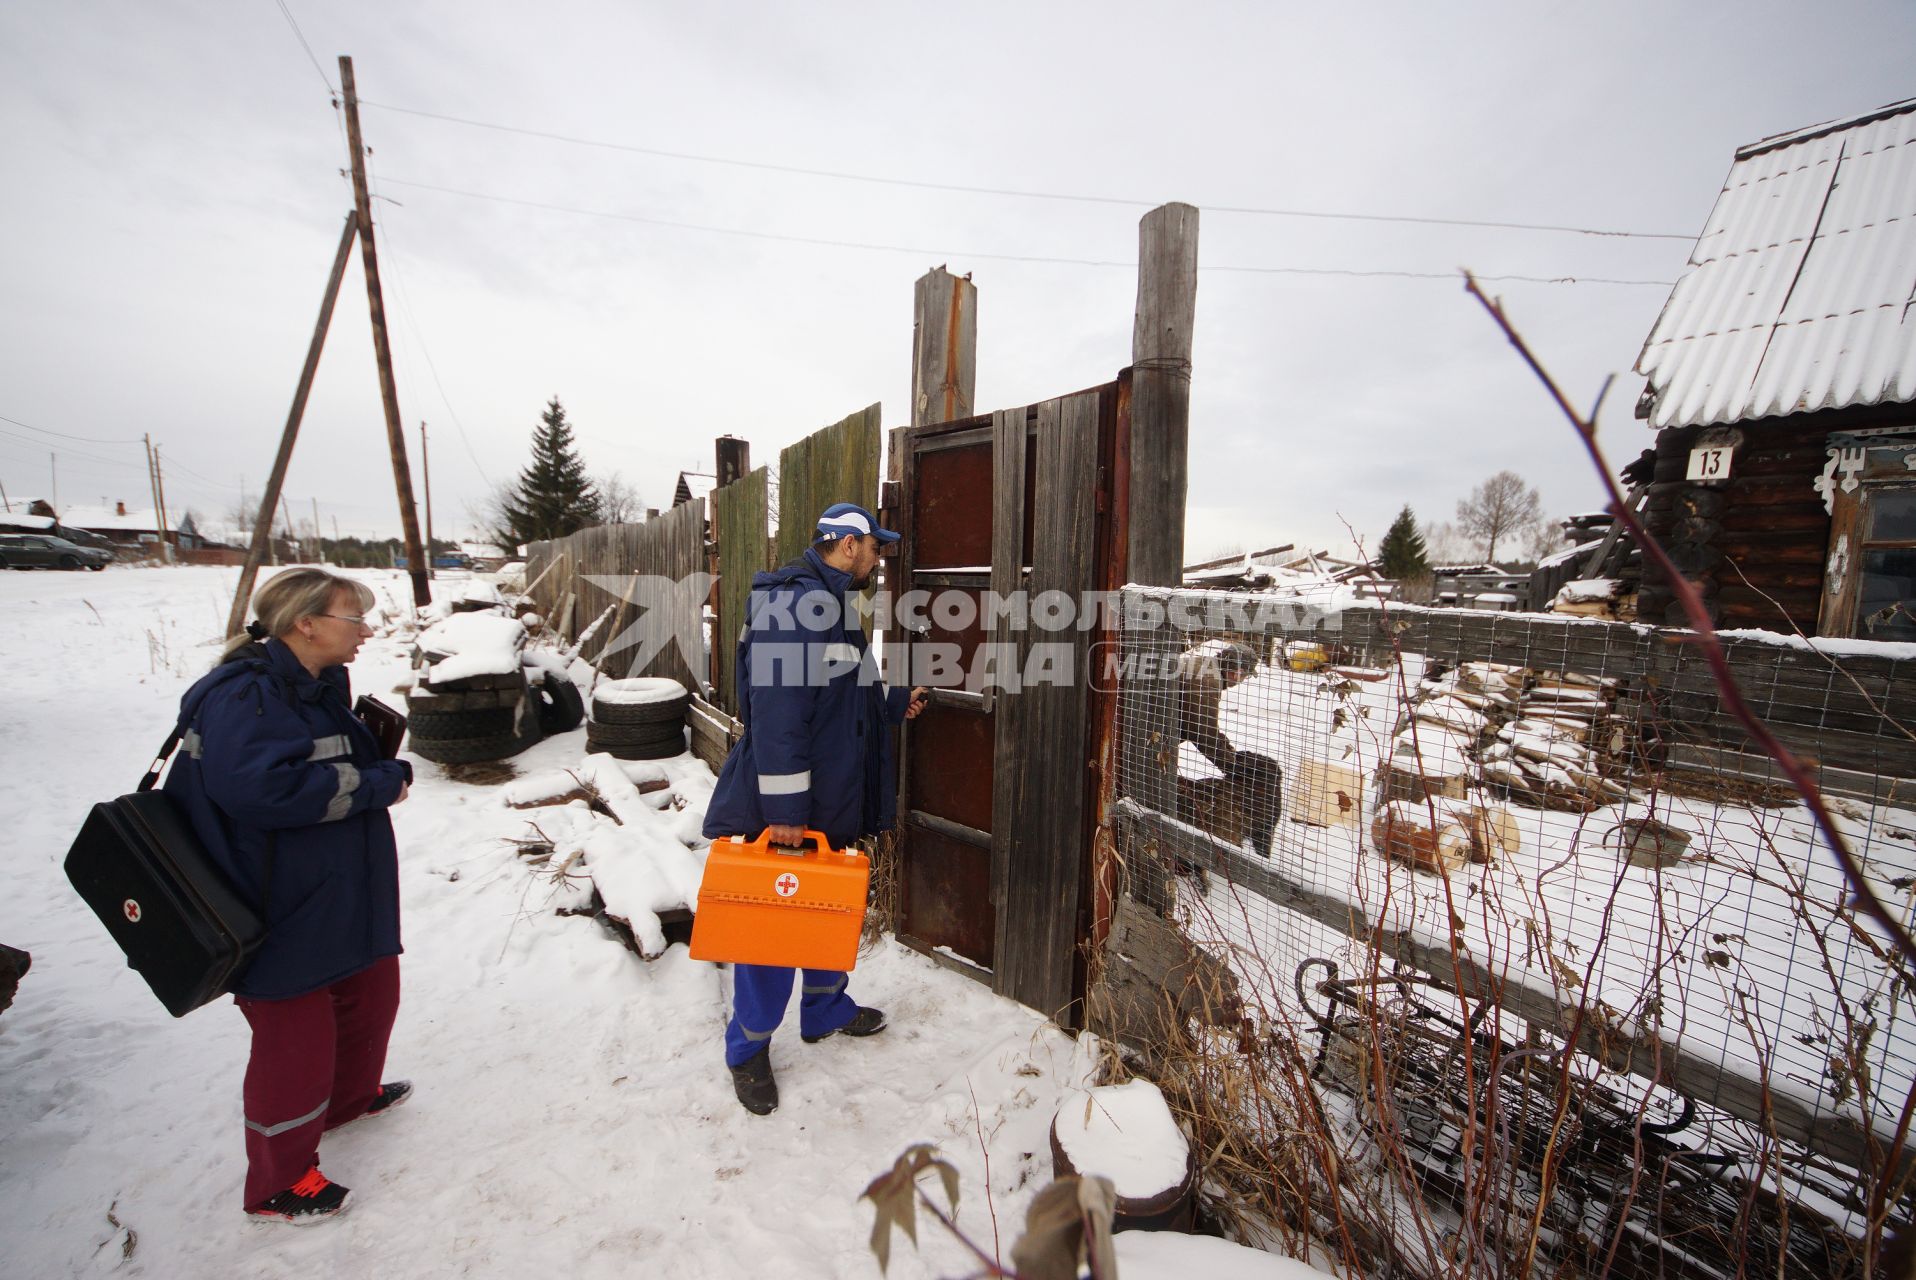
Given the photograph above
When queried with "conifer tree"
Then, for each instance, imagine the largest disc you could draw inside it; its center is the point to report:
(553, 497)
(1401, 555)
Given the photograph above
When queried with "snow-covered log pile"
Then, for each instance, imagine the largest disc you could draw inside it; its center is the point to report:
(1560, 749)
(1539, 738)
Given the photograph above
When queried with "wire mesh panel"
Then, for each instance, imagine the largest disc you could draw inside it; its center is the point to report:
(1433, 852)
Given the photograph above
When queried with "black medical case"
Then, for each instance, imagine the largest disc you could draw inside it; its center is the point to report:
(138, 863)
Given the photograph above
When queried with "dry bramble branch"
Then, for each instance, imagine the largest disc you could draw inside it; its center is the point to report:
(1705, 639)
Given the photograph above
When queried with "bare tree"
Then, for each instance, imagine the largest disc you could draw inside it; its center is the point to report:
(1444, 543)
(1498, 508)
(619, 500)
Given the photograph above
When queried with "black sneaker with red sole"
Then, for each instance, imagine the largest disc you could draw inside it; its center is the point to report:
(311, 1200)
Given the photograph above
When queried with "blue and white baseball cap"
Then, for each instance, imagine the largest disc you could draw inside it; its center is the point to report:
(842, 518)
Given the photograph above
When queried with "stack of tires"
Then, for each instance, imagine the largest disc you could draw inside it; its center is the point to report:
(638, 719)
(490, 717)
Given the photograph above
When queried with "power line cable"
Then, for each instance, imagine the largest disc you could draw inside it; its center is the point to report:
(878, 180)
(301, 37)
(64, 436)
(967, 254)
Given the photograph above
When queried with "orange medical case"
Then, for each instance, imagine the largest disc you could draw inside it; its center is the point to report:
(761, 903)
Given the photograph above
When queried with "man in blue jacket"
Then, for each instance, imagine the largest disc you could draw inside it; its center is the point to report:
(816, 754)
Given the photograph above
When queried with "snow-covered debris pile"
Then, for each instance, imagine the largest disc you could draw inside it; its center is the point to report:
(627, 827)
(472, 644)
(477, 595)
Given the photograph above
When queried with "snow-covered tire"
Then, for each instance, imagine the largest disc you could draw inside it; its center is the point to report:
(440, 725)
(561, 705)
(664, 750)
(498, 746)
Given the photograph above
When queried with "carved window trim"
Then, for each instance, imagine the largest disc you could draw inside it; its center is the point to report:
(1862, 467)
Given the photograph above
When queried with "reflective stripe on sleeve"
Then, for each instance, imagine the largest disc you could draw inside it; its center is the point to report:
(330, 747)
(342, 802)
(784, 784)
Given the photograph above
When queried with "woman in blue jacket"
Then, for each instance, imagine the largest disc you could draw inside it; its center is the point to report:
(289, 792)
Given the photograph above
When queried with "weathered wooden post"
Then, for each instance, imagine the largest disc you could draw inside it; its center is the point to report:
(1159, 443)
(944, 349)
(733, 461)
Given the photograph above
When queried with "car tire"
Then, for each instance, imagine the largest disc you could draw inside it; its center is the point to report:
(96, 567)
(442, 725)
(635, 734)
(632, 713)
(640, 751)
(498, 746)
(561, 705)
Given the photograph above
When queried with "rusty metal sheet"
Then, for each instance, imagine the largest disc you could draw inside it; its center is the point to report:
(951, 524)
(946, 894)
(951, 777)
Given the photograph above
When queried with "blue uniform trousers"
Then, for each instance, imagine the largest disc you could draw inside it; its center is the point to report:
(760, 993)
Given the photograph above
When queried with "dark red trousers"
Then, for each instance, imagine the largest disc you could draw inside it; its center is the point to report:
(317, 1061)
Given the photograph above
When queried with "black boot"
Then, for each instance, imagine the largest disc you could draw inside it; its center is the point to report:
(752, 1081)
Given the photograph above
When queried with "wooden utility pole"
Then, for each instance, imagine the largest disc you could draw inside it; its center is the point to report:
(425, 470)
(416, 561)
(159, 483)
(263, 526)
(1161, 393)
(944, 347)
(317, 535)
(153, 487)
(292, 535)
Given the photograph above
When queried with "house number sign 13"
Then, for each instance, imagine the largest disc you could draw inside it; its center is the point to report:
(1710, 462)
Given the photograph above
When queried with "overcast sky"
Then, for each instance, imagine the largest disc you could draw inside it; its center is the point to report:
(174, 198)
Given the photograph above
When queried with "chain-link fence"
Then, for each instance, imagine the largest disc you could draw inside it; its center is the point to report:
(1517, 958)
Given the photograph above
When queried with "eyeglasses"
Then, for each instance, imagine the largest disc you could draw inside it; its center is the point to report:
(357, 619)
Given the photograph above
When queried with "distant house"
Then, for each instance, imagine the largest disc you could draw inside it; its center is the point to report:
(26, 515)
(1782, 385)
(135, 529)
(693, 484)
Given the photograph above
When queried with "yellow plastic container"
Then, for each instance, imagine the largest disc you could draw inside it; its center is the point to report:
(762, 903)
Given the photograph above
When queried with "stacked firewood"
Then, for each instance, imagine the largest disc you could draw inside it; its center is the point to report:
(1561, 748)
(1540, 738)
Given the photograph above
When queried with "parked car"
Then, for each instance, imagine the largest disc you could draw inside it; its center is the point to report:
(42, 551)
(83, 538)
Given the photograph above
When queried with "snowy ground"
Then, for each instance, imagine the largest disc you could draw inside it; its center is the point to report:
(573, 1116)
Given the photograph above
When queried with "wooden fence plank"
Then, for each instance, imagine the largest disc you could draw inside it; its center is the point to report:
(739, 515)
(1009, 437)
(1047, 852)
(836, 464)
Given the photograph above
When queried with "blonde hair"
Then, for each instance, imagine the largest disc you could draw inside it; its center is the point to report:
(296, 594)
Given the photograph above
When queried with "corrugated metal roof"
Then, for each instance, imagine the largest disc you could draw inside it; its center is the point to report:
(1801, 292)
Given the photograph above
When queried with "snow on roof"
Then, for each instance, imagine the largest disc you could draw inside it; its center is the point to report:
(101, 519)
(482, 550)
(1796, 295)
(18, 520)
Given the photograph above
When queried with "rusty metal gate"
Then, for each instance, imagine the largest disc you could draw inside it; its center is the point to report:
(1000, 785)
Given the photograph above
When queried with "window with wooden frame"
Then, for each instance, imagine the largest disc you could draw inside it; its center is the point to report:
(1869, 581)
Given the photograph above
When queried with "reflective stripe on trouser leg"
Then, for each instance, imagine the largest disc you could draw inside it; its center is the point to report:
(760, 993)
(823, 1005)
(288, 1087)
